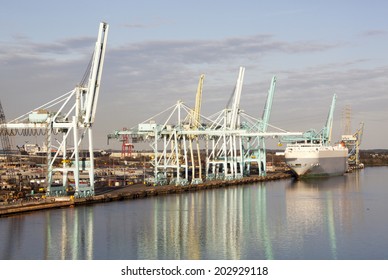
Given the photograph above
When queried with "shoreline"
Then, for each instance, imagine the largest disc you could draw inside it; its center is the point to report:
(131, 192)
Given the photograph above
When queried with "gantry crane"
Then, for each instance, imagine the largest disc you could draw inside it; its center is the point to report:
(5, 141)
(312, 136)
(73, 121)
(353, 142)
(6, 144)
(195, 124)
(358, 135)
(126, 146)
(221, 136)
(254, 148)
(225, 160)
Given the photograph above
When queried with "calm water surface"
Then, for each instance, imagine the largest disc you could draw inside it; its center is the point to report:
(336, 218)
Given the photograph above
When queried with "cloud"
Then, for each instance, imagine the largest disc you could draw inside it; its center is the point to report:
(72, 45)
(211, 51)
(135, 26)
(156, 23)
(35, 73)
(141, 79)
(374, 33)
(172, 63)
(22, 49)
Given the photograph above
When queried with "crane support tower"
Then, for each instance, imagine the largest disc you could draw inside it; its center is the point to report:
(126, 146)
(254, 148)
(5, 140)
(71, 118)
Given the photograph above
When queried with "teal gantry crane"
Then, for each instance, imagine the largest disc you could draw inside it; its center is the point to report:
(312, 136)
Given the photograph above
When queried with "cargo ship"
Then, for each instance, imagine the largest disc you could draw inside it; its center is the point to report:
(316, 160)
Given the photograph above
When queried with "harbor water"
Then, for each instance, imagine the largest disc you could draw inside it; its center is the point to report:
(341, 217)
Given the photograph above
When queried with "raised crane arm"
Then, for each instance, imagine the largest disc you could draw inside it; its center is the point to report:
(233, 124)
(198, 101)
(95, 75)
(327, 130)
(268, 106)
(311, 136)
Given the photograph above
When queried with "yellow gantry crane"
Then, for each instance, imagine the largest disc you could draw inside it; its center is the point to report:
(195, 123)
(353, 142)
(196, 119)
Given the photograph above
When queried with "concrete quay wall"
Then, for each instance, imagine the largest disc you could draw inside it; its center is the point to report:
(131, 192)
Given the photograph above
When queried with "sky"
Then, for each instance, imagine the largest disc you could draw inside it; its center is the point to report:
(157, 50)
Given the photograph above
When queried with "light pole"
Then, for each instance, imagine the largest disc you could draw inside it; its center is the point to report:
(143, 170)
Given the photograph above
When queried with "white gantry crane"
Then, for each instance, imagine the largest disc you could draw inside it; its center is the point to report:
(225, 160)
(68, 120)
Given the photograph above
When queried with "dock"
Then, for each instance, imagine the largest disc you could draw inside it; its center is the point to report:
(129, 192)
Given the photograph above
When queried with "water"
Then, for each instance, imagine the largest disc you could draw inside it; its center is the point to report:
(336, 218)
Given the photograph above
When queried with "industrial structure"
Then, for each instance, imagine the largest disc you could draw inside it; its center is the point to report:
(189, 147)
(126, 146)
(5, 139)
(68, 120)
(312, 136)
(6, 144)
(353, 142)
(314, 155)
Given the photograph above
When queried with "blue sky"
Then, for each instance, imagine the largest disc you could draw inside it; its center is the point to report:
(157, 50)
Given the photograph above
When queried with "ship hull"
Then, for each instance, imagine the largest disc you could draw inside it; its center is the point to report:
(316, 161)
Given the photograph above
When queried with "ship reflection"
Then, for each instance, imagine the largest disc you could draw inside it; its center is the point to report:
(324, 204)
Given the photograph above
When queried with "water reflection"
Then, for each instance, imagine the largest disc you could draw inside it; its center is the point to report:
(288, 219)
(11, 237)
(231, 224)
(69, 234)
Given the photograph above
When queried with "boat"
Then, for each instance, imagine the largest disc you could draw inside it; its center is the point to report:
(312, 155)
(316, 160)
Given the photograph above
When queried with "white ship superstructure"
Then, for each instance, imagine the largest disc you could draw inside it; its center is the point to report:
(316, 160)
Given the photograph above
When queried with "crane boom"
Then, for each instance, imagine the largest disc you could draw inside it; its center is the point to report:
(327, 130)
(198, 101)
(268, 105)
(311, 135)
(95, 74)
(236, 100)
